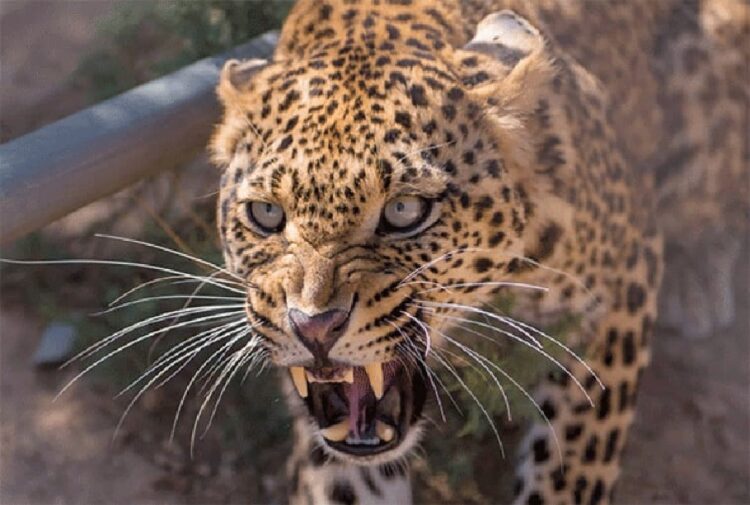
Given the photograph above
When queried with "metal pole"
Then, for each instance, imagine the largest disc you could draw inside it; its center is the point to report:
(102, 149)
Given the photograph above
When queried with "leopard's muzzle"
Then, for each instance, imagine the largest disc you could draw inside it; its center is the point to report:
(364, 413)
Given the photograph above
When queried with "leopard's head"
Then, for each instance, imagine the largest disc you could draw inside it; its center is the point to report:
(372, 187)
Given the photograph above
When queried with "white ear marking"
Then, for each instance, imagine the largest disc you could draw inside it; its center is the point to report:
(505, 36)
(237, 72)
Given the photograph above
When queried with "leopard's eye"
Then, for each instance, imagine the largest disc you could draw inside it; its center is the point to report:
(266, 217)
(404, 213)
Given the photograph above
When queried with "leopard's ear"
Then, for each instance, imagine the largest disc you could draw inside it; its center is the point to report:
(509, 67)
(236, 77)
(234, 89)
(508, 58)
(507, 37)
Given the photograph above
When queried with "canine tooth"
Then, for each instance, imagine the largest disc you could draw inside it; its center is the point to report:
(375, 373)
(349, 376)
(299, 379)
(385, 432)
(336, 432)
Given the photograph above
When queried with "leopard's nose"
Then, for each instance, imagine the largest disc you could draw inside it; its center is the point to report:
(319, 332)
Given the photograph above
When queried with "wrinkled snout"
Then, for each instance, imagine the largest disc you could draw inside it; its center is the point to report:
(319, 332)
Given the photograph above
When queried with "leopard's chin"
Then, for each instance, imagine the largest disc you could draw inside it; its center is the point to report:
(365, 415)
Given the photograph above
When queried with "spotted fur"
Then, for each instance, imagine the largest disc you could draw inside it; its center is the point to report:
(539, 132)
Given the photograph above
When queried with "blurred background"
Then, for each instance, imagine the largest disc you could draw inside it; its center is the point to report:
(689, 445)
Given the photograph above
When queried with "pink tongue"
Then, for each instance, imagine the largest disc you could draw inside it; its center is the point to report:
(358, 391)
(355, 393)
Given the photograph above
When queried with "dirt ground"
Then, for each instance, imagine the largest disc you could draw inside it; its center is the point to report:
(691, 440)
(690, 444)
(59, 451)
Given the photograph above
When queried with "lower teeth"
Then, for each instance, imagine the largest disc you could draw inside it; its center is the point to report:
(385, 432)
(362, 441)
(336, 432)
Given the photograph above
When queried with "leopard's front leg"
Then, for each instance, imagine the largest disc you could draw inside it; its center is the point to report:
(576, 457)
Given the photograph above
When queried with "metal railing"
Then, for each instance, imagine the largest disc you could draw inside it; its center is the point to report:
(102, 149)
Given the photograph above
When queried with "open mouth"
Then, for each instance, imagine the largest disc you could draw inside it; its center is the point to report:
(362, 411)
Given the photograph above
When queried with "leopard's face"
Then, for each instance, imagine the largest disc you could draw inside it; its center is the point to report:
(363, 199)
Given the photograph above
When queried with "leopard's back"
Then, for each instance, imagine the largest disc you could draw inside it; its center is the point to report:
(676, 74)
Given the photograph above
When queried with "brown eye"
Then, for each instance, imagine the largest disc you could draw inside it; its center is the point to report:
(404, 211)
(266, 217)
(404, 214)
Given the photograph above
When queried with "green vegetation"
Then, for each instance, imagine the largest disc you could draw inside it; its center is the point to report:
(144, 40)
(463, 451)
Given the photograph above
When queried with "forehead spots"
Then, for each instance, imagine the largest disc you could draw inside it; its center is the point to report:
(366, 114)
(482, 265)
(449, 111)
(285, 142)
(418, 97)
(403, 118)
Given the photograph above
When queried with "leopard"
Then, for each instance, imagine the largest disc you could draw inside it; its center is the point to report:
(398, 164)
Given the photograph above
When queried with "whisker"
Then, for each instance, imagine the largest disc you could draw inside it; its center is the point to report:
(431, 421)
(512, 323)
(437, 378)
(121, 349)
(92, 349)
(205, 344)
(228, 366)
(220, 283)
(191, 345)
(244, 355)
(207, 376)
(494, 378)
(478, 356)
(518, 339)
(430, 263)
(226, 319)
(428, 340)
(150, 283)
(229, 326)
(257, 357)
(531, 261)
(164, 297)
(464, 362)
(476, 400)
(228, 372)
(460, 307)
(96, 347)
(515, 324)
(561, 345)
(429, 377)
(568, 275)
(447, 287)
(181, 404)
(176, 253)
(187, 303)
(146, 386)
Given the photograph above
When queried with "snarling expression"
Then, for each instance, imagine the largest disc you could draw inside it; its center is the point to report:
(366, 191)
